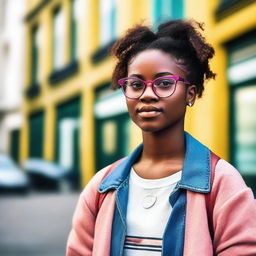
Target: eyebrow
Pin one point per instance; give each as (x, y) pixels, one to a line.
(163, 74)
(155, 76)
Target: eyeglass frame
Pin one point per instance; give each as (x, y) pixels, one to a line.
(145, 83)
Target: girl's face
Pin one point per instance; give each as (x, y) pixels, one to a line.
(149, 112)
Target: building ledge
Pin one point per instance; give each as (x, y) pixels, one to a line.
(33, 90)
(62, 74)
(34, 12)
(229, 7)
(101, 53)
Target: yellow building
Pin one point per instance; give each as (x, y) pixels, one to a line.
(72, 117)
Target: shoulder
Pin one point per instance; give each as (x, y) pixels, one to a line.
(92, 186)
(89, 196)
(228, 184)
(228, 175)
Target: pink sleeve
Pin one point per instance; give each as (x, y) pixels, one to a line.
(234, 213)
(80, 240)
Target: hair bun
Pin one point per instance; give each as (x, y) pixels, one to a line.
(174, 30)
(134, 36)
(188, 31)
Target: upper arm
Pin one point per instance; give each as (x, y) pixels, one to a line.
(234, 213)
(80, 240)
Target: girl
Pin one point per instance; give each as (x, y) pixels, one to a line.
(171, 195)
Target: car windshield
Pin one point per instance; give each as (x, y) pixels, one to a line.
(6, 162)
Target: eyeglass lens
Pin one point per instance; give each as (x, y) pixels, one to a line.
(162, 87)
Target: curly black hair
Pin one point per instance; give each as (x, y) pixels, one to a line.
(179, 38)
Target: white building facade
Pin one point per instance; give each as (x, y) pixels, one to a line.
(11, 73)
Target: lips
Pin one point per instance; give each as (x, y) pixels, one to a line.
(149, 111)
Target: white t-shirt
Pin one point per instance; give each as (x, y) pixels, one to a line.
(148, 211)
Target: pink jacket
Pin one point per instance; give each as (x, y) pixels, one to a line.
(222, 222)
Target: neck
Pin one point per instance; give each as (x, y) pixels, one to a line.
(164, 145)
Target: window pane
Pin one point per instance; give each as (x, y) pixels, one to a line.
(58, 39)
(177, 9)
(164, 10)
(245, 136)
(36, 135)
(67, 129)
(35, 56)
(107, 21)
(109, 131)
(74, 24)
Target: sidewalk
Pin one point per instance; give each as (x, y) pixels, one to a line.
(35, 225)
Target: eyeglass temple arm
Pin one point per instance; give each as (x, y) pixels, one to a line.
(183, 80)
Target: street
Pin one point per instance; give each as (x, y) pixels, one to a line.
(36, 224)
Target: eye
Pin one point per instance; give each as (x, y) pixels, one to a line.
(134, 84)
(164, 83)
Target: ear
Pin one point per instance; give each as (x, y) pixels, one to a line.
(191, 95)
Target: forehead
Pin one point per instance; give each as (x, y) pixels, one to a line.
(153, 61)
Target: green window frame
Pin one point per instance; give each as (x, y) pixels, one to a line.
(112, 124)
(15, 144)
(69, 115)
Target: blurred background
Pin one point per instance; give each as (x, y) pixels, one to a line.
(60, 122)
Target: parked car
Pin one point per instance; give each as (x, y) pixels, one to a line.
(45, 175)
(12, 178)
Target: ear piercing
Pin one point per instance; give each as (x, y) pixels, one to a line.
(190, 104)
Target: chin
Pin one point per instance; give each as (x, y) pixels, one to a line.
(150, 128)
(158, 128)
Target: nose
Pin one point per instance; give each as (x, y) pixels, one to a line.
(149, 94)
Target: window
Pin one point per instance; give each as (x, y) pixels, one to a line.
(242, 80)
(245, 135)
(58, 38)
(67, 152)
(112, 124)
(74, 24)
(35, 45)
(107, 21)
(164, 10)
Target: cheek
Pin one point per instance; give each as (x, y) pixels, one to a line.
(176, 107)
(131, 107)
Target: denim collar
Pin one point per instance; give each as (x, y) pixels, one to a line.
(195, 172)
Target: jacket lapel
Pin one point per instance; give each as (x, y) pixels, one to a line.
(119, 221)
(173, 240)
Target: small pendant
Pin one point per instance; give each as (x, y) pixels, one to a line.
(149, 201)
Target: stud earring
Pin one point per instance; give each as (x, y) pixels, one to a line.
(190, 104)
